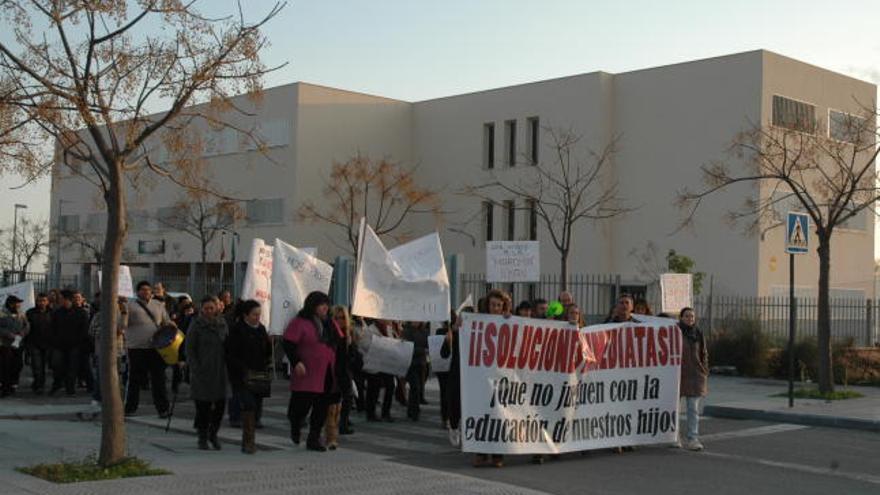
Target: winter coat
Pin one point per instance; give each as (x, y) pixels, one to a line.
(694, 362)
(70, 328)
(12, 325)
(141, 325)
(40, 335)
(247, 348)
(419, 338)
(303, 344)
(206, 358)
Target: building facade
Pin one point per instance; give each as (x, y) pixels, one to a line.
(668, 120)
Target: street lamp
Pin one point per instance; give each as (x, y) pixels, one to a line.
(15, 233)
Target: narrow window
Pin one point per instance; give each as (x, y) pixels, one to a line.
(534, 127)
(510, 141)
(490, 221)
(489, 145)
(533, 220)
(510, 209)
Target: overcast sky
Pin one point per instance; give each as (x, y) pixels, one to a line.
(414, 50)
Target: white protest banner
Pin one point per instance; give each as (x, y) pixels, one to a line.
(439, 364)
(676, 291)
(408, 283)
(295, 274)
(126, 285)
(387, 355)
(23, 291)
(532, 386)
(513, 261)
(258, 278)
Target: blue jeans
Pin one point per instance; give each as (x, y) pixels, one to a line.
(693, 417)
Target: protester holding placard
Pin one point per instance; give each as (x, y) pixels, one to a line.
(451, 350)
(340, 397)
(13, 328)
(524, 309)
(248, 358)
(377, 381)
(310, 342)
(39, 340)
(694, 374)
(497, 302)
(417, 333)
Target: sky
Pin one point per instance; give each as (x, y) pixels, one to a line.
(416, 50)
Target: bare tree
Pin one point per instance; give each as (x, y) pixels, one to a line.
(202, 215)
(85, 75)
(31, 242)
(384, 192)
(830, 176)
(568, 190)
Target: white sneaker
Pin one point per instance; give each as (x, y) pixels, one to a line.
(676, 444)
(694, 445)
(455, 437)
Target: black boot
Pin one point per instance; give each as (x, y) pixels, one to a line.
(313, 442)
(294, 434)
(212, 437)
(203, 439)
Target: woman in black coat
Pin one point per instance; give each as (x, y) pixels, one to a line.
(248, 358)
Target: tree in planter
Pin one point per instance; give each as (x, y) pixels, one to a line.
(384, 192)
(85, 75)
(568, 190)
(31, 242)
(202, 215)
(796, 165)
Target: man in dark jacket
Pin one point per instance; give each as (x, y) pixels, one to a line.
(39, 340)
(69, 329)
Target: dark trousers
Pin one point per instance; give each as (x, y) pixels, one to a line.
(374, 383)
(209, 414)
(443, 379)
(10, 366)
(144, 364)
(65, 366)
(84, 371)
(39, 361)
(360, 383)
(299, 406)
(453, 401)
(416, 389)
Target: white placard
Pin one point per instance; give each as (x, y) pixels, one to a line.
(23, 291)
(532, 386)
(408, 283)
(295, 274)
(258, 278)
(676, 292)
(439, 364)
(387, 355)
(513, 261)
(126, 285)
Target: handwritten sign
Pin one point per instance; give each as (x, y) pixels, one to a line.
(126, 285)
(513, 261)
(676, 290)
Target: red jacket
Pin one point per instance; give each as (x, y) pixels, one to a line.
(317, 357)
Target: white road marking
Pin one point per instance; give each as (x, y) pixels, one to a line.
(753, 432)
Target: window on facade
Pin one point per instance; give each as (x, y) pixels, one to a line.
(488, 219)
(68, 223)
(489, 145)
(534, 127)
(261, 211)
(510, 142)
(849, 128)
(532, 225)
(151, 247)
(510, 211)
(795, 115)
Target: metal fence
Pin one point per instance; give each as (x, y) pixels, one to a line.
(593, 293)
(42, 281)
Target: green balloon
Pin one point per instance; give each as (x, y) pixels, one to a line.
(554, 309)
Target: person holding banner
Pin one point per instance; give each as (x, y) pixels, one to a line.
(310, 343)
(377, 381)
(524, 309)
(694, 374)
(497, 302)
(206, 359)
(248, 358)
(13, 328)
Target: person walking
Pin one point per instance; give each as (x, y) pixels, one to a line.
(378, 381)
(417, 333)
(341, 399)
(13, 330)
(145, 316)
(694, 374)
(248, 359)
(69, 329)
(38, 340)
(206, 359)
(497, 302)
(310, 342)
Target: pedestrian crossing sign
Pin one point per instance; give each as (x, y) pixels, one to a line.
(797, 233)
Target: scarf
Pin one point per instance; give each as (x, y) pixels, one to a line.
(691, 333)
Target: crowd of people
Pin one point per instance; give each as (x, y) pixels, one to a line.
(227, 358)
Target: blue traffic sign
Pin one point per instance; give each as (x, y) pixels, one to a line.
(797, 233)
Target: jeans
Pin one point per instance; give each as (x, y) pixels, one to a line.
(39, 360)
(64, 369)
(693, 417)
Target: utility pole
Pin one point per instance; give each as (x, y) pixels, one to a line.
(15, 236)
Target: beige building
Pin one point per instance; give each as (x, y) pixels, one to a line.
(670, 120)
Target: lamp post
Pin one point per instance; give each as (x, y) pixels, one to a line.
(15, 233)
(57, 283)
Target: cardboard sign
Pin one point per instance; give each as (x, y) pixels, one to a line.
(513, 261)
(676, 292)
(387, 355)
(295, 274)
(439, 364)
(126, 285)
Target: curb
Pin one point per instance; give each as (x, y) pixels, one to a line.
(793, 418)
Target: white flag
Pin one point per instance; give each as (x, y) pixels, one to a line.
(23, 291)
(408, 283)
(258, 278)
(295, 274)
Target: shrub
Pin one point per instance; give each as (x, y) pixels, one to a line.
(740, 342)
(89, 470)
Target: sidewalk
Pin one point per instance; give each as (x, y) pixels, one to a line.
(750, 398)
(278, 471)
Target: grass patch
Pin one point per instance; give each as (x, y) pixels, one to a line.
(813, 393)
(89, 470)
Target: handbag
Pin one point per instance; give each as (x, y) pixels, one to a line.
(258, 383)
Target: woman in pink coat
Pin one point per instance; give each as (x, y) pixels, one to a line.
(310, 345)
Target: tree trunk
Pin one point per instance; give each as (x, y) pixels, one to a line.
(563, 271)
(823, 323)
(112, 421)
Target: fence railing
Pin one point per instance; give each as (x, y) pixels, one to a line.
(42, 281)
